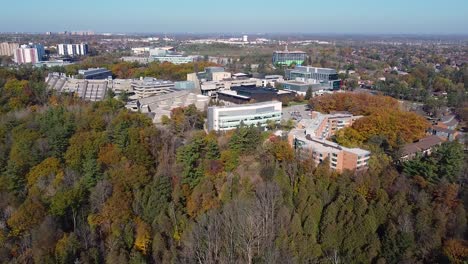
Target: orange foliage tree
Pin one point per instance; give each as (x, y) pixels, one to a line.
(355, 103)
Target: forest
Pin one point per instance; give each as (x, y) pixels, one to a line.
(94, 183)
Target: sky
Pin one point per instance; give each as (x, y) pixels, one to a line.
(238, 16)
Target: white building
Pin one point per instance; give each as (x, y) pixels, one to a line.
(222, 118)
(72, 49)
(32, 53)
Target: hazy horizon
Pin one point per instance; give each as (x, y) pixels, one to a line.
(251, 17)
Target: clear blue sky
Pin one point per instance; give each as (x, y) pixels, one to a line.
(249, 16)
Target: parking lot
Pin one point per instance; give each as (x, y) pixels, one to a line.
(296, 112)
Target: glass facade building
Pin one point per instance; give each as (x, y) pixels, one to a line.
(289, 57)
(231, 117)
(321, 75)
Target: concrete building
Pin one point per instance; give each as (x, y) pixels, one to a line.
(289, 57)
(222, 118)
(309, 139)
(313, 75)
(72, 49)
(160, 105)
(95, 73)
(89, 90)
(32, 53)
(148, 86)
(8, 49)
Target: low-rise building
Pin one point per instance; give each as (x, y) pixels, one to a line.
(444, 133)
(160, 105)
(251, 93)
(222, 118)
(309, 139)
(89, 90)
(424, 147)
(318, 149)
(326, 125)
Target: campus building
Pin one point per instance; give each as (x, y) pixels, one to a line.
(95, 73)
(318, 149)
(251, 93)
(168, 54)
(289, 57)
(315, 76)
(309, 139)
(161, 105)
(89, 90)
(222, 118)
(148, 86)
(72, 49)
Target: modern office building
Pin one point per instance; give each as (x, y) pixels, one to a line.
(309, 139)
(95, 73)
(32, 53)
(289, 57)
(8, 49)
(72, 49)
(222, 118)
(314, 75)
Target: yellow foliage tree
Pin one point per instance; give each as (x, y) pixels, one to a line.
(142, 236)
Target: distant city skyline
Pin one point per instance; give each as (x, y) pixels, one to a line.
(242, 16)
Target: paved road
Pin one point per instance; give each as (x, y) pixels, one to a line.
(296, 112)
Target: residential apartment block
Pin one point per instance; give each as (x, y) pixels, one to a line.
(318, 149)
(32, 53)
(309, 139)
(72, 49)
(8, 49)
(222, 118)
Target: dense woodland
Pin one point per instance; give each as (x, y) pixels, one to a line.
(93, 183)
